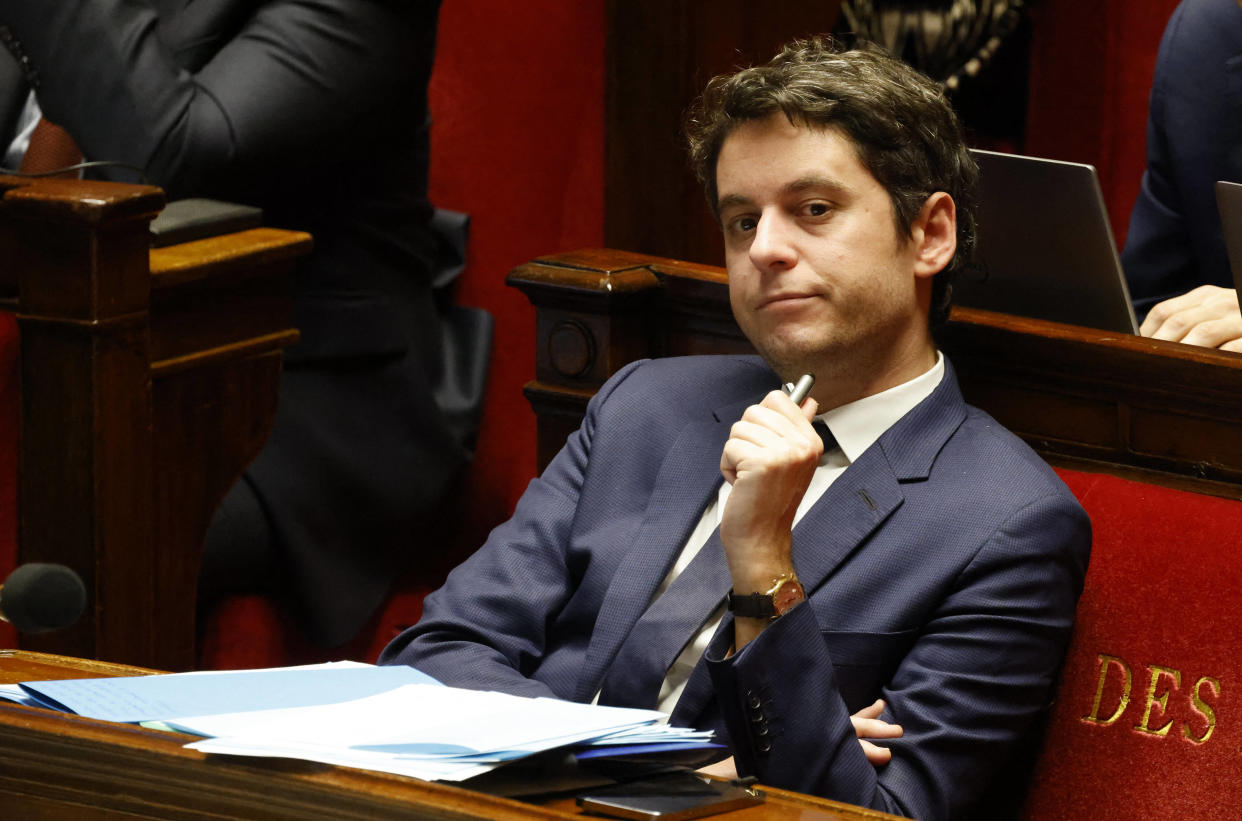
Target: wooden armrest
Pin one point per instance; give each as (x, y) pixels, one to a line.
(149, 382)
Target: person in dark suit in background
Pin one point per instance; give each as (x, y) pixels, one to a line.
(699, 547)
(316, 112)
(1174, 257)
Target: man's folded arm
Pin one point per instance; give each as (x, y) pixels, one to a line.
(976, 679)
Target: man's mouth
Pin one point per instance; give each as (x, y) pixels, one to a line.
(785, 298)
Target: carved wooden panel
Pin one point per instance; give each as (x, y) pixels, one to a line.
(149, 382)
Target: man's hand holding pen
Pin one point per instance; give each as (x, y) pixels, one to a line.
(769, 460)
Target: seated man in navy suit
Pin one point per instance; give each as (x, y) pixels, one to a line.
(698, 547)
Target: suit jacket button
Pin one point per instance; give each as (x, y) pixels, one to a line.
(764, 747)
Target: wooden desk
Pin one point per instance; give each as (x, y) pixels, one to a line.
(55, 766)
(149, 381)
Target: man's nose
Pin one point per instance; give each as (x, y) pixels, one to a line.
(772, 248)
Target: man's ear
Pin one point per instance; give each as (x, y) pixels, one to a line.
(935, 235)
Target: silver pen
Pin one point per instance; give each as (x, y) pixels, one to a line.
(799, 391)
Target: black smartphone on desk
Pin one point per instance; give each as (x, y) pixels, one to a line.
(671, 797)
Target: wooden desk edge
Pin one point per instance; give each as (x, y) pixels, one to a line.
(155, 756)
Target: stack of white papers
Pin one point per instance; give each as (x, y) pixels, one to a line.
(391, 719)
(425, 731)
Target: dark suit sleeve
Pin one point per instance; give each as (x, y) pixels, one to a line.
(486, 628)
(221, 89)
(976, 677)
(1194, 130)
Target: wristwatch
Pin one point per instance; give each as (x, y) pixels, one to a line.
(785, 592)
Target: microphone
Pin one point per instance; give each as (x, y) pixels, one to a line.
(37, 597)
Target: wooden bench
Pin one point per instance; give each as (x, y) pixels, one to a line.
(1148, 435)
(148, 381)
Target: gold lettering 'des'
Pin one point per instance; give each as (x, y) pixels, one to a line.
(1163, 683)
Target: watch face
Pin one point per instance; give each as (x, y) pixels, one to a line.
(787, 596)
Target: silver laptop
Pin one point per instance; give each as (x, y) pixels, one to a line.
(1046, 248)
(1229, 202)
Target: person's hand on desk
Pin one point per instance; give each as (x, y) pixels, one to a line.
(1208, 316)
(867, 724)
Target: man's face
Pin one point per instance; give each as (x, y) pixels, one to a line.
(819, 279)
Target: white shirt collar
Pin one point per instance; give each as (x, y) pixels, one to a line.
(858, 424)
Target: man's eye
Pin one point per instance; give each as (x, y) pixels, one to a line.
(743, 224)
(817, 209)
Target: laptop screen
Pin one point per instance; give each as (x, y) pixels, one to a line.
(1045, 248)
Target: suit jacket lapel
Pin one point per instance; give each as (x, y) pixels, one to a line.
(688, 476)
(853, 506)
(870, 489)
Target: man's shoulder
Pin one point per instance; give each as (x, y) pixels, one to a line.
(960, 447)
(1199, 35)
(992, 491)
(1195, 21)
(997, 458)
(691, 381)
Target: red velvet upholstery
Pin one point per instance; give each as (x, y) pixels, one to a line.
(1161, 607)
(1090, 77)
(251, 631)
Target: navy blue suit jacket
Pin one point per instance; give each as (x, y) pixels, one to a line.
(942, 568)
(1194, 138)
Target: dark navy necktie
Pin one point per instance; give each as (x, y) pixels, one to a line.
(825, 435)
(662, 632)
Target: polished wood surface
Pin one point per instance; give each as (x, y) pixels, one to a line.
(1159, 411)
(149, 382)
(58, 766)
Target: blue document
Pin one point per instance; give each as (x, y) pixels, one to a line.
(160, 698)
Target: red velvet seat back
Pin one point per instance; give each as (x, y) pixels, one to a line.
(1148, 720)
(253, 631)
